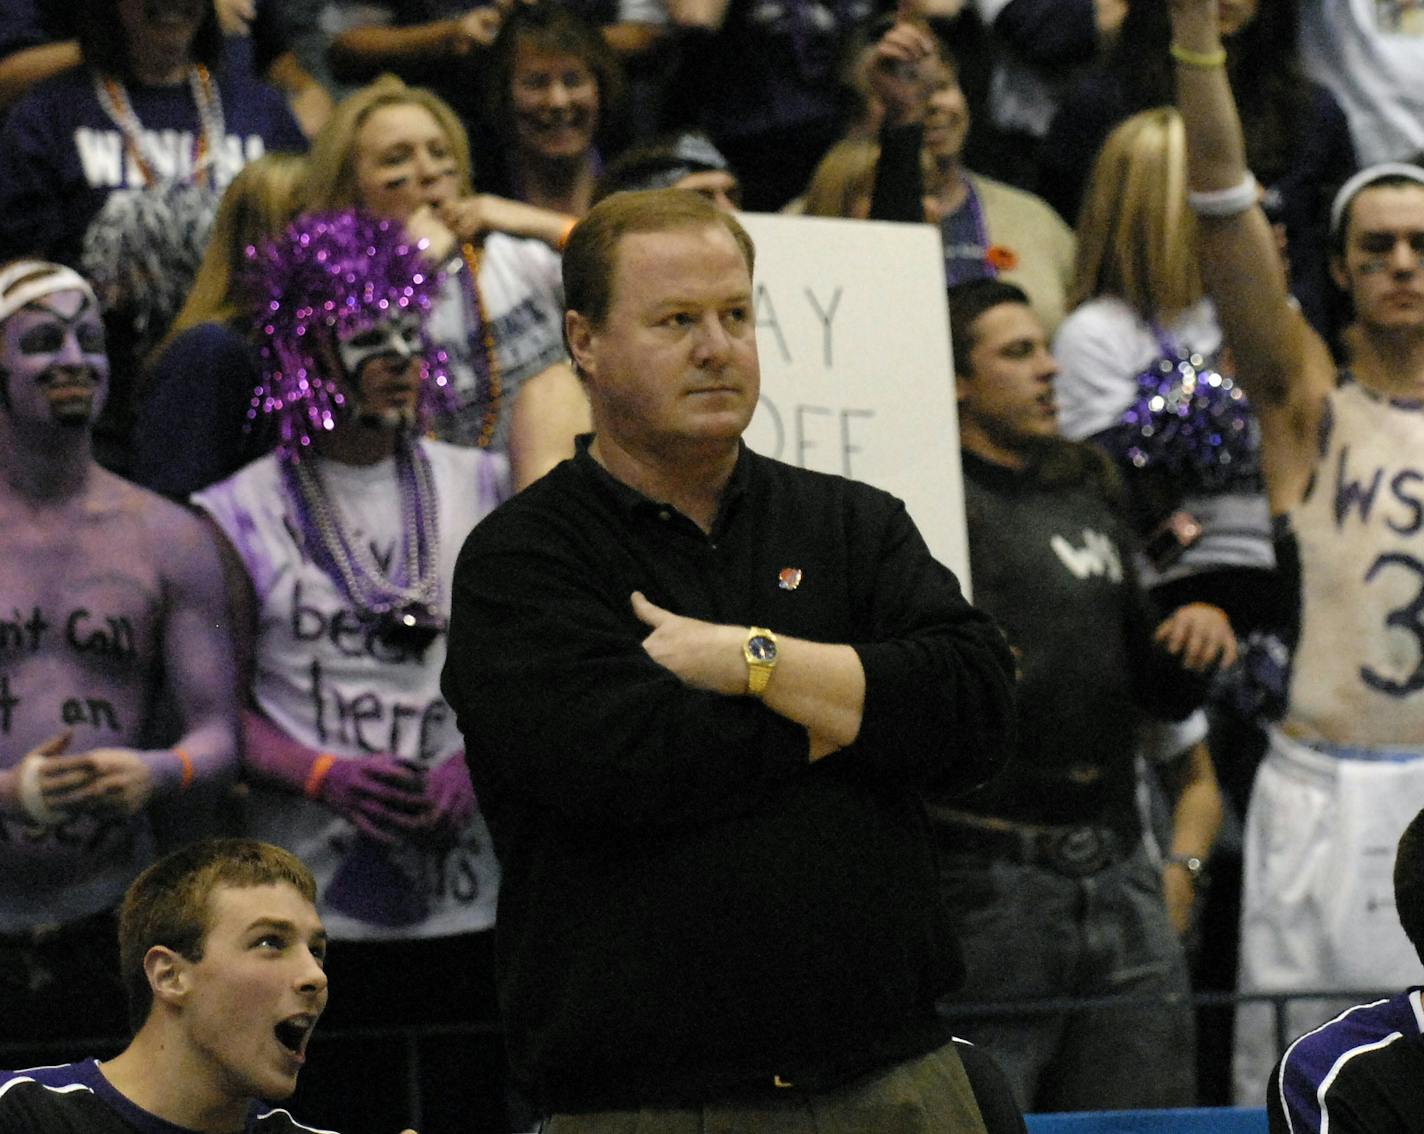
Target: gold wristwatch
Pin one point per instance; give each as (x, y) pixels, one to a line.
(760, 651)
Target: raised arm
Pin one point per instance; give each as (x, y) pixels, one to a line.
(901, 75)
(360, 52)
(1053, 31)
(1281, 363)
(30, 65)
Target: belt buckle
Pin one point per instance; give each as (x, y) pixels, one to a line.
(1079, 851)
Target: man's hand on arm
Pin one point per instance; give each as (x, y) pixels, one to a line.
(818, 685)
(1284, 366)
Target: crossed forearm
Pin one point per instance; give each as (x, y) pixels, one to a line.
(819, 685)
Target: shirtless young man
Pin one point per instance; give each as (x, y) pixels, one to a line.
(1345, 772)
(109, 597)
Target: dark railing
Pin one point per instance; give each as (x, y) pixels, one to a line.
(409, 1037)
(1279, 1002)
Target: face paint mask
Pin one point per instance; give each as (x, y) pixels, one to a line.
(56, 370)
(392, 341)
(398, 339)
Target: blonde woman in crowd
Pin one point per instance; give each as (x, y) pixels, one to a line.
(843, 181)
(1141, 334)
(400, 152)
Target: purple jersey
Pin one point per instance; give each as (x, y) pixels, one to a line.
(75, 1098)
(1357, 1072)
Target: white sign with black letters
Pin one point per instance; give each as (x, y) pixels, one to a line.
(857, 376)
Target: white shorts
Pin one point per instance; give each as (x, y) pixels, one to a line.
(1317, 900)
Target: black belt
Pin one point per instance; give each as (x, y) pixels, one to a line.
(1074, 850)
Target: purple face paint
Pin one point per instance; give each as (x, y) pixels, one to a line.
(53, 359)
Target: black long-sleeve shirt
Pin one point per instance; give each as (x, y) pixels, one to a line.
(1053, 562)
(689, 908)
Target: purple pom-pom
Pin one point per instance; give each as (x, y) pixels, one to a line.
(1193, 422)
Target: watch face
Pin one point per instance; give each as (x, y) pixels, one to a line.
(761, 648)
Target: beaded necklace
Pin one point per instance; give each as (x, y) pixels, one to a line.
(402, 604)
(486, 362)
(114, 99)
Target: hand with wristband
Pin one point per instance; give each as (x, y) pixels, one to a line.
(52, 783)
(382, 795)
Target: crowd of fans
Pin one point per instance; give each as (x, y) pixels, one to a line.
(162, 148)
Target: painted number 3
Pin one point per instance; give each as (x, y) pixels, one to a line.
(1408, 618)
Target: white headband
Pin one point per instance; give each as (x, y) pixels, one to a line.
(1366, 178)
(49, 278)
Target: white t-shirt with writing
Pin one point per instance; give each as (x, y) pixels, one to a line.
(328, 679)
(521, 292)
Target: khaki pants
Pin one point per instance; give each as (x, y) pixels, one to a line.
(928, 1095)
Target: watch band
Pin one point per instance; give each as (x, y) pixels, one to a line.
(759, 650)
(1192, 864)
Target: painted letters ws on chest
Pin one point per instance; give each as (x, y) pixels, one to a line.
(1393, 497)
(1095, 556)
(1387, 498)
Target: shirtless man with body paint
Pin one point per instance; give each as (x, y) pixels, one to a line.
(111, 603)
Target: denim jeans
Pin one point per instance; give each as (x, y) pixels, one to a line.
(1029, 932)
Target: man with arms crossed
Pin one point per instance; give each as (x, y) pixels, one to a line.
(1341, 454)
(108, 593)
(701, 693)
(223, 956)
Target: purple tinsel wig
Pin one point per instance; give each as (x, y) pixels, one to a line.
(328, 276)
